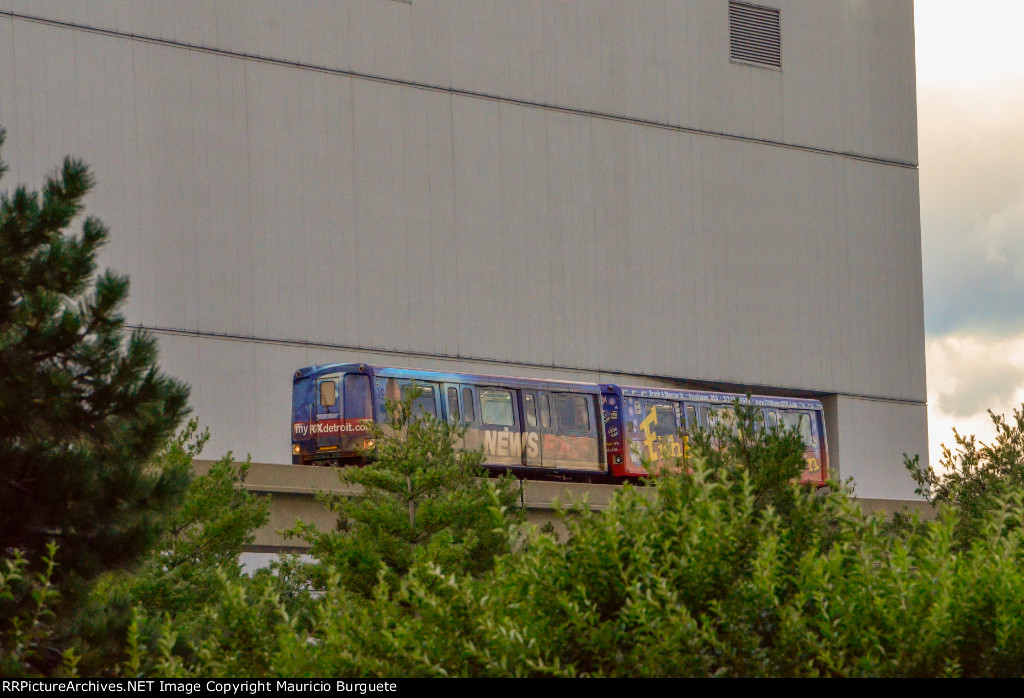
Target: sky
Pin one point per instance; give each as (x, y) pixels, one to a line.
(970, 114)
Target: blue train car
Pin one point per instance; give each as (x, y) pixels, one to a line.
(543, 427)
(534, 427)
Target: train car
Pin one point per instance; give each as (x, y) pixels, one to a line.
(536, 428)
(652, 426)
(530, 426)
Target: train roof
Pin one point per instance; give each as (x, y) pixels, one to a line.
(573, 386)
(720, 397)
(446, 377)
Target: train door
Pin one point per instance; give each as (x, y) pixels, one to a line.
(452, 403)
(547, 429)
(500, 426)
(822, 451)
(660, 432)
(460, 411)
(689, 422)
(807, 425)
(689, 418)
(327, 413)
(574, 439)
(469, 411)
(533, 454)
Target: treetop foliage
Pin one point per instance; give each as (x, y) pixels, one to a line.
(423, 498)
(196, 555)
(725, 566)
(83, 408)
(715, 570)
(975, 478)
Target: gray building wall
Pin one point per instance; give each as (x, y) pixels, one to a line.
(565, 189)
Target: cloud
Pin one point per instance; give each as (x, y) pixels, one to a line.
(969, 374)
(972, 208)
(978, 373)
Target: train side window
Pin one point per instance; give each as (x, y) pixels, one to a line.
(727, 415)
(467, 405)
(357, 396)
(573, 413)
(802, 422)
(424, 404)
(453, 404)
(328, 393)
(691, 418)
(664, 416)
(496, 408)
(530, 405)
(545, 411)
(811, 435)
(668, 423)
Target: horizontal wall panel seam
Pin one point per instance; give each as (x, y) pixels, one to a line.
(453, 91)
(224, 336)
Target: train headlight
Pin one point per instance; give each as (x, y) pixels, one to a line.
(295, 449)
(367, 444)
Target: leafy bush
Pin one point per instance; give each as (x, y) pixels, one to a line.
(711, 573)
(184, 574)
(975, 478)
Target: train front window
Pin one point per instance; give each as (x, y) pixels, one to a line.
(357, 396)
(496, 408)
(328, 393)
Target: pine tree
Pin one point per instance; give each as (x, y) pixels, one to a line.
(83, 407)
(423, 501)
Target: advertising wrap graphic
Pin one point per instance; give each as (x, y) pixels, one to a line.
(330, 427)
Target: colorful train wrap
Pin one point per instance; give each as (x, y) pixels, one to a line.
(534, 427)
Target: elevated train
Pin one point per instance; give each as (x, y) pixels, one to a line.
(537, 428)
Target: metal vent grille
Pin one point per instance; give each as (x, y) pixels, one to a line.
(755, 35)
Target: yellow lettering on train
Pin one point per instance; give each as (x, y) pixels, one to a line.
(649, 436)
(812, 465)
